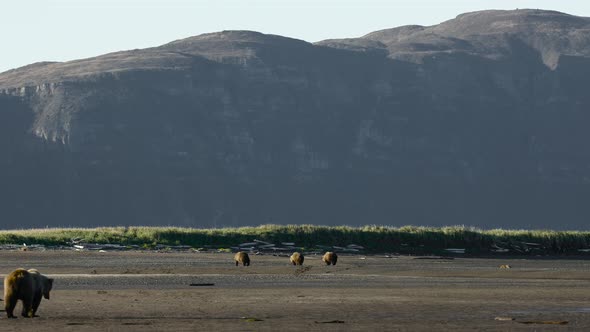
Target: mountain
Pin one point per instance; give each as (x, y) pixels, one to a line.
(481, 120)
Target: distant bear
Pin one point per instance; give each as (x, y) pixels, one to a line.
(505, 266)
(297, 258)
(242, 257)
(29, 287)
(330, 258)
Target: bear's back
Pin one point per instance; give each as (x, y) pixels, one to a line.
(16, 277)
(18, 283)
(242, 257)
(297, 258)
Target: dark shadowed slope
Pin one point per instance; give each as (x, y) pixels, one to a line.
(481, 120)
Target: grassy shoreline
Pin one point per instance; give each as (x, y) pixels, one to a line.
(406, 239)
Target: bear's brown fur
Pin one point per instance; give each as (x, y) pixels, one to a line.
(330, 258)
(297, 259)
(29, 287)
(242, 257)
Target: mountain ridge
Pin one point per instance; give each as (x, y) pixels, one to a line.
(443, 37)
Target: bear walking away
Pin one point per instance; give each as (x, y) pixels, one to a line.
(29, 287)
(242, 257)
(297, 258)
(330, 258)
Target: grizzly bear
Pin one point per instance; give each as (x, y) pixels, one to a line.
(330, 258)
(296, 258)
(242, 257)
(29, 287)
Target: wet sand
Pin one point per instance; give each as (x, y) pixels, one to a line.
(150, 291)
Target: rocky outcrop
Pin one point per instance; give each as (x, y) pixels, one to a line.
(481, 120)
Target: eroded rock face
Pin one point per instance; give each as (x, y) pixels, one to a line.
(481, 120)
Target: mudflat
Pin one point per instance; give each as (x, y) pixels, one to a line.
(195, 291)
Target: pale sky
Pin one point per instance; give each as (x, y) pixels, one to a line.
(61, 30)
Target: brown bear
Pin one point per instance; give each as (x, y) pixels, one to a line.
(29, 287)
(330, 258)
(242, 257)
(296, 258)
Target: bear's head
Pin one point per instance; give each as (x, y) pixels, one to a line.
(47, 285)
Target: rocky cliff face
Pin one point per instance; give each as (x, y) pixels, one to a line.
(481, 120)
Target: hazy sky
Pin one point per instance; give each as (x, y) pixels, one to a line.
(61, 30)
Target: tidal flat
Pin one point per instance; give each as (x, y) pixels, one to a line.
(189, 291)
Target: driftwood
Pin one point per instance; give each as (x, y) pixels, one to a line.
(96, 246)
(548, 322)
(435, 257)
(249, 244)
(256, 246)
(520, 247)
(455, 250)
(355, 246)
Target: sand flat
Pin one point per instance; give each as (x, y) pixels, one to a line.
(150, 291)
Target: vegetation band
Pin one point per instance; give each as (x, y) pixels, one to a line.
(406, 239)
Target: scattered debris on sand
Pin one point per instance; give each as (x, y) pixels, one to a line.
(435, 257)
(260, 247)
(547, 322)
(256, 247)
(252, 319)
(202, 284)
(302, 270)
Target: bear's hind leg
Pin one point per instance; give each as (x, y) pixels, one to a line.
(9, 304)
(36, 302)
(27, 307)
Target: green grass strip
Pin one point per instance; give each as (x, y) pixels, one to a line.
(373, 238)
